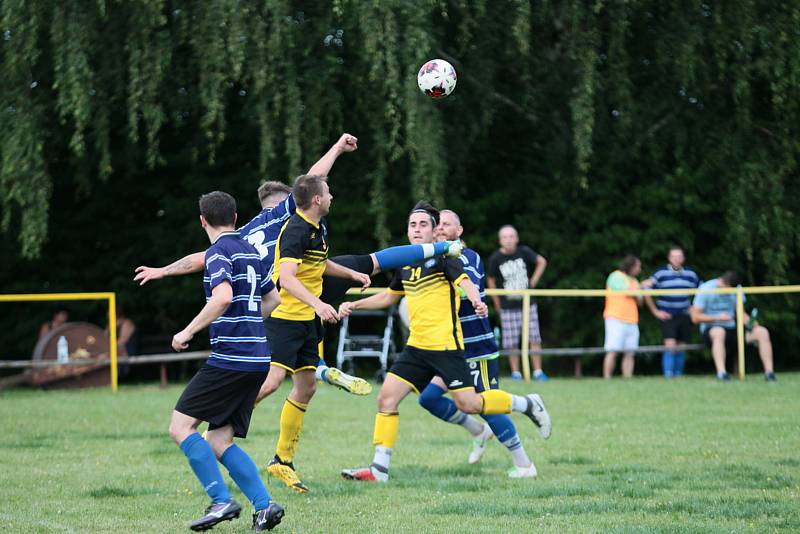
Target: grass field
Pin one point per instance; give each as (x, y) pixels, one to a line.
(645, 455)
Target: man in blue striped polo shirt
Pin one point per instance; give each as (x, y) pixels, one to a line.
(224, 390)
(481, 353)
(673, 310)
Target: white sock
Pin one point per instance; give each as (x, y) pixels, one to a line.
(472, 425)
(428, 250)
(321, 369)
(538, 372)
(382, 458)
(518, 454)
(519, 404)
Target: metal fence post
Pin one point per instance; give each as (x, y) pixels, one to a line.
(740, 329)
(526, 320)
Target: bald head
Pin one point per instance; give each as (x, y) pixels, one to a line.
(508, 238)
(449, 227)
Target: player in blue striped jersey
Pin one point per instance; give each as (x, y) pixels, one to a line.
(239, 293)
(262, 232)
(480, 350)
(673, 310)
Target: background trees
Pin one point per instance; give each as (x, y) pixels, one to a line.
(596, 128)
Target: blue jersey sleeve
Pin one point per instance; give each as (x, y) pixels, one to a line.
(287, 207)
(219, 268)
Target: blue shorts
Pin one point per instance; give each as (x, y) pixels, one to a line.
(485, 374)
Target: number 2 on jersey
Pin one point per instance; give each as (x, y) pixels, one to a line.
(252, 279)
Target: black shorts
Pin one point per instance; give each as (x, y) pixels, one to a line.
(485, 374)
(294, 344)
(334, 288)
(677, 327)
(222, 397)
(416, 367)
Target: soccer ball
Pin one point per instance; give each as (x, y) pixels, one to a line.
(437, 78)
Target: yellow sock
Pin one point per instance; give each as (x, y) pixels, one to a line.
(496, 401)
(387, 425)
(291, 424)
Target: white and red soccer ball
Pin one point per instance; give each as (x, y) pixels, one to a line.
(437, 78)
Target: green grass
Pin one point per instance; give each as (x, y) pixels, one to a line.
(644, 455)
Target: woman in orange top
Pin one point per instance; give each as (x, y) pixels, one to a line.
(621, 317)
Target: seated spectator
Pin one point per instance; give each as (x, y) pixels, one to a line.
(621, 316)
(59, 317)
(716, 315)
(127, 340)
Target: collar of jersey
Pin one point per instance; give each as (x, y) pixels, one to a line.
(224, 234)
(309, 221)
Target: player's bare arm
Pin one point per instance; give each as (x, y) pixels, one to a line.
(346, 143)
(221, 298)
(269, 302)
(340, 271)
(378, 301)
(289, 282)
(474, 296)
(193, 263)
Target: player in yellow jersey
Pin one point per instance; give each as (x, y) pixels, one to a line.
(435, 346)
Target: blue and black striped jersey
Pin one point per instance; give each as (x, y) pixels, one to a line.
(669, 278)
(238, 338)
(479, 342)
(262, 231)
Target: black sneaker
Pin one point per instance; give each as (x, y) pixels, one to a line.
(217, 513)
(770, 377)
(268, 518)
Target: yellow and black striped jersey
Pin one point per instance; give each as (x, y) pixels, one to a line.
(303, 242)
(431, 290)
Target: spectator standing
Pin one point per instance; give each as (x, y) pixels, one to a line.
(621, 317)
(516, 267)
(716, 315)
(673, 310)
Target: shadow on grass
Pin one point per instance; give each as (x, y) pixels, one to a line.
(35, 442)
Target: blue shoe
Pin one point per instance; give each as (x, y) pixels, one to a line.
(516, 375)
(723, 376)
(770, 377)
(541, 377)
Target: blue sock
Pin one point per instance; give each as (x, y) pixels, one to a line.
(394, 257)
(205, 467)
(680, 359)
(668, 363)
(501, 425)
(245, 473)
(322, 371)
(432, 399)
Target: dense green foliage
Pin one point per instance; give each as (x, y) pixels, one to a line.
(647, 455)
(598, 128)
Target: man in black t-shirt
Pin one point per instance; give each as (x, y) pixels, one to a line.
(515, 267)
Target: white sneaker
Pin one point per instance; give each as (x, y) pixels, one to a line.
(538, 414)
(522, 472)
(479, 445)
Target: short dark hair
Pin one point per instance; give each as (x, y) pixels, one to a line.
(731, 278)
(218, 209)
(627, 263)
(306, 187)
(425, 206)
(270, 188)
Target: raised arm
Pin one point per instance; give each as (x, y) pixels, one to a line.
(221, 298)
(346, 143)
(192, 263)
